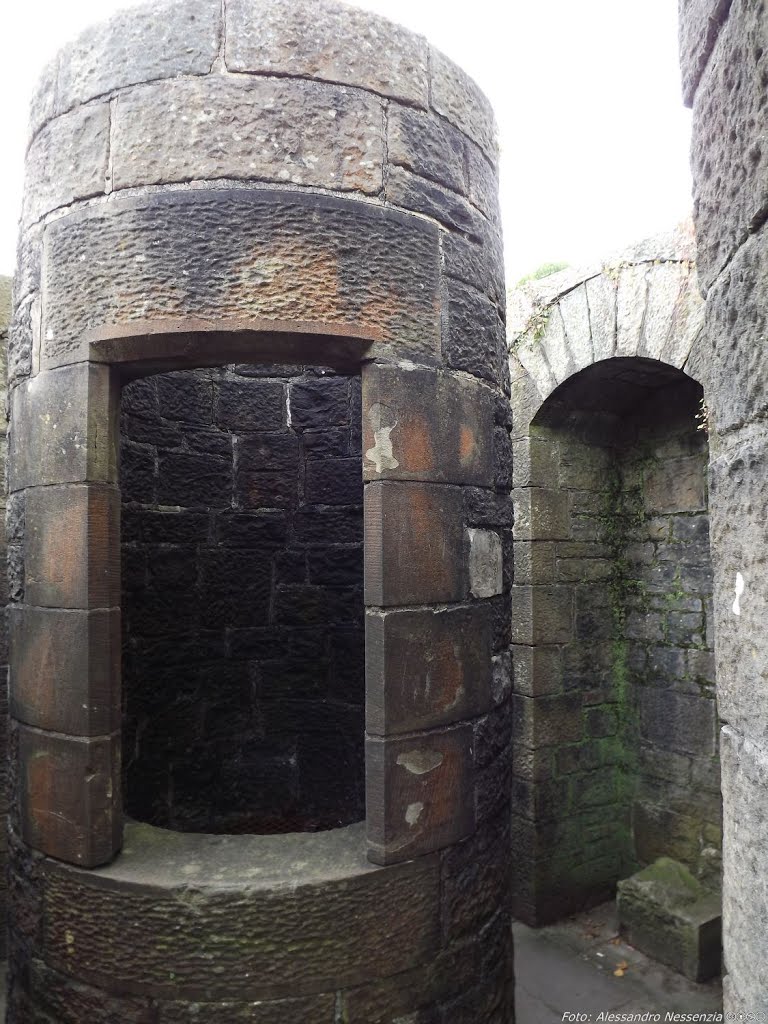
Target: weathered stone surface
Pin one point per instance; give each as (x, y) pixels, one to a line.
(541, 513)
(319, 1009)
(739, 546)
(665, 283)
(426, 669)
(72, 547)
(574, 309)
(173, 38)
(329, 41)
(67, 1001)
(601, 296)
(66, 670)
(542, 615)
(412, 192)
(427, 146)
(457, 97)
(486, 563)
(420, 424)
(67, 795)
(68, 160)
(700, 22)
(282, 130)
(425, 564)
(537, 670)
(64, 428)
(418, 793)
(631, 303)
(290, 260)
(745, 851)
(475, 335)
(259, 925)
(736, 310)
(728, 154)
(484, 186)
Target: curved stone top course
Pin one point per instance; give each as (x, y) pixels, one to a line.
(295, 93)
(643, 302)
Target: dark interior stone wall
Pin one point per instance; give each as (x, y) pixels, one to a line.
(676, 809)
(243, 664)
(616, 718)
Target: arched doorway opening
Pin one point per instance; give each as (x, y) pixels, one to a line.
(616, 723)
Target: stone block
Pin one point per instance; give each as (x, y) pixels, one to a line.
(486, 563)
(418, 793)
(542, 615)
(676, 485)
(319, 403)
(678, 721)
(427, 146)
(68, 796)
(535, 461)
(537, 670)
(485, 508)
(541, 514)
(328, 41)
(64, 428)
(484, 185)
(457, 97)
(72, 555)
(412, 192)
(414, 544)
(246, 405)
(735, 304)
(534, 562)
(333, 482)
(68, 160)
(318, 1009)
(667, 914)
(475, 340)
(548, 721)
(420, 424)
(315, 263)
(65, 672)
(426, 669)
(125, 50)
(327, 135)
(727, 143)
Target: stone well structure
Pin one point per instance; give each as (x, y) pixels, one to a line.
(616, 727)
(270, 229)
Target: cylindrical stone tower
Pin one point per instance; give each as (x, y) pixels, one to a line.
(263, 187)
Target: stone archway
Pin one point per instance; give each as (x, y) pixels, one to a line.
(616, 725)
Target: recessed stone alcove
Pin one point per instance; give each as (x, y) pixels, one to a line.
(244, 648)
(616, 719)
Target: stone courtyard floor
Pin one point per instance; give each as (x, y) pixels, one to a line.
(569, 967)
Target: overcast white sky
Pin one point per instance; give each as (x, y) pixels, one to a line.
(594, 136)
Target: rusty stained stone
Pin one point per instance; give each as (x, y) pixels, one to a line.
(65, 673)
(72, 556)
(281, 130)
(427, 668)
(289, 258)
(64, 428)
(419, 793)
(414, 543)
(68, 795)
(420, 424)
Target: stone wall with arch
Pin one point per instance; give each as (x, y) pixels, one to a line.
(615, 758)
